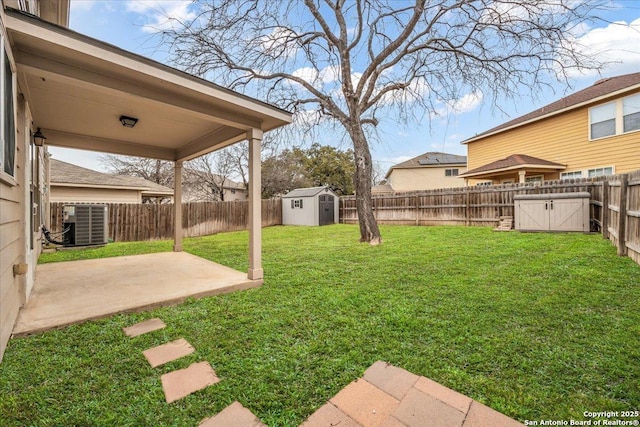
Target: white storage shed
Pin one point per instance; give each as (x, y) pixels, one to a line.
(310, 206)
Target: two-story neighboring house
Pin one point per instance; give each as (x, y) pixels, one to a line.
(427, 171)
(593, 132)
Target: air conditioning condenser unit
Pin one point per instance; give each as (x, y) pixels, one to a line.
(85, 225)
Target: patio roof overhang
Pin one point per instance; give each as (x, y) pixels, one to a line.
(78, 87)
(515, 163)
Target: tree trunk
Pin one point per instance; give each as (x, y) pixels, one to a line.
(369, 231)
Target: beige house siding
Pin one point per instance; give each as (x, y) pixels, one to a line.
(424, 178)
(11, 244)
(94, 195)
(232, 196)
(563, 138)
(20, 235)
(11, 233)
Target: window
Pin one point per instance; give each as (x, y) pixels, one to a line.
(485, 183)
(534, 178)
(571, 175)
(296, 204)
(615, 118)
(600, 171)
(451, 172)
(8, 125)
(631, 113)
(603, 120)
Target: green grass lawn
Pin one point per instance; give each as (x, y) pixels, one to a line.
(538, 326)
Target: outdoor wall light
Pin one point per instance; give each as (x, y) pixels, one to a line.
(39, 138)
(128, 122)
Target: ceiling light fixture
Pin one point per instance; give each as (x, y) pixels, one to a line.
(128, 122)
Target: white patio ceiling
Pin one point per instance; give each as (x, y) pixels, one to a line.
(78, 87)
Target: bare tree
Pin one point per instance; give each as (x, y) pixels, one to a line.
(377, 173)
(356, 62)
(210, 175)
(158, 171)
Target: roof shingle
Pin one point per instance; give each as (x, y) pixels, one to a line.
(67, 173)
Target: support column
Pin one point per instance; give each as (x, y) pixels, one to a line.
(255, 206)
(521, 175)
(177, 207)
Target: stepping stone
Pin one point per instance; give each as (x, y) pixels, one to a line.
(365, 403)
(329, 415)
(167, 352)
(183, 382)
(234, 415)
(144, 327)
(391, 380)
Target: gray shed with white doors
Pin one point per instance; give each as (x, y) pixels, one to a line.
(310, 206)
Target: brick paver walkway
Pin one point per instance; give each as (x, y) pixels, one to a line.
(386, 396)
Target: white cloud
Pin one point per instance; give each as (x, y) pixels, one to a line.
(161, 14)
(616, 43)
(400, 159)
(500, 12)
(330, 74)
(308, 74)
(467, 103)
(279, 42)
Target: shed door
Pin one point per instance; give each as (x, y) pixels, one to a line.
(326, 209)
(532, 215)
(568, 215)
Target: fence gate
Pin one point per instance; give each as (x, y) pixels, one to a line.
(326, 209)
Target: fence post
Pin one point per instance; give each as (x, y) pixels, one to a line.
(467, 214)
(604, 216)
(416, 200)
(622, 223)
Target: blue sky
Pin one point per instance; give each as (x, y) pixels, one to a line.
(128, 25)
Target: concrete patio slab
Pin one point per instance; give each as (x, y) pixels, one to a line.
(183, 382)
(234, 415)
(72, 292)
(165, 353)
(144, 327)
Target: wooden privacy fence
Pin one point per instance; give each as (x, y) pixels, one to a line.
(620, 206)
(474, 205)
(137, 222)
(614, 206)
